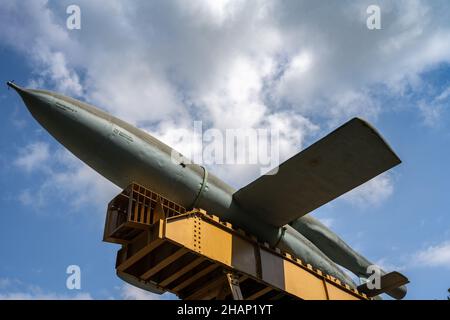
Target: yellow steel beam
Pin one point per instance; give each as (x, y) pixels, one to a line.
(260, 293)
(140, 254)
(182, 271)
(164, 263)
(197, 276)
(212, 285)
(236, 250)
(237, 253)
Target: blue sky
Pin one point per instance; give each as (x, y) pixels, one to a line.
(298, 66)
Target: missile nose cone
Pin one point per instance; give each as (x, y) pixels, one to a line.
(11, 84)
(37, 103)
(21, 91)
(25, 94)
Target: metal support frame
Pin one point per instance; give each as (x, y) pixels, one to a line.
(233, 283)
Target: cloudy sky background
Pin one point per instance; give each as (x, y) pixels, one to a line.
(302, 67)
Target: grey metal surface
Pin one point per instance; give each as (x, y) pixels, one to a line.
(338, 250)
(332, 245)
(346, 158)
(293, 241)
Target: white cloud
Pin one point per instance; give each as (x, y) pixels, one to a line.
(54, 69)
(65, 177)
(162, 65)
(386, 265)
(33, 156)
(328, 222)
(26, 198)
(433, 256)
(81, 184)
(431, 111)
(14, 289)
(43, 296)
(444, 95)
(180, 56)
(129, 292)
(30, 27)
(371, 193)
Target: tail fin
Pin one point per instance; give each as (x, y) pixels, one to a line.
(392, 283)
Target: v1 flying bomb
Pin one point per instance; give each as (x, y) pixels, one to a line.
(344, 159)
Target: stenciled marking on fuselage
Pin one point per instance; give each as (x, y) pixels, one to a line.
(64, 107)
(123, 134)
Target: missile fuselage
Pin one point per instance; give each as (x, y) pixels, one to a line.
(123, 153)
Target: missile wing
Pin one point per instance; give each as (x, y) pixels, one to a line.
(344, 159)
